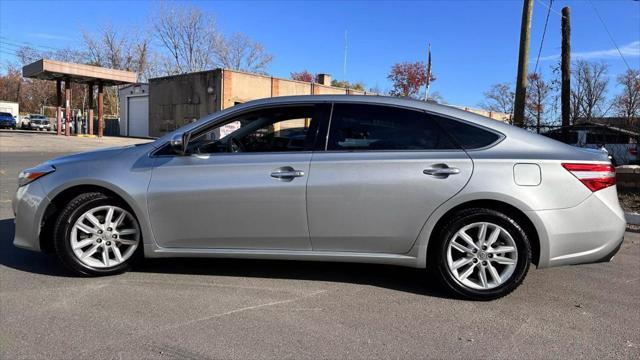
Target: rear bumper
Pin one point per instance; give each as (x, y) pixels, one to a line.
(608, 257)
(587, 233)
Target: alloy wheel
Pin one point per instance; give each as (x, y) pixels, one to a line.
(482, 255)
(105, 236)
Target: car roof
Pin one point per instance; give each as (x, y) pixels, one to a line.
(363, 99)
(519, 141)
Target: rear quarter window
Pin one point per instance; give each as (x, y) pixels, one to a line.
(469, 137)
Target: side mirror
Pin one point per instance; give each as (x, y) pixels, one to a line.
(178, 144)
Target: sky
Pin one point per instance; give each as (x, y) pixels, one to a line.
(474, 43)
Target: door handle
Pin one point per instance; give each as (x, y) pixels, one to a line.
(442, 170)
(288, 174)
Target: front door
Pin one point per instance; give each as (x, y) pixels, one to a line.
(243, 186)
(384, 172)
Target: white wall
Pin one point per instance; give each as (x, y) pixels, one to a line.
(10, 107)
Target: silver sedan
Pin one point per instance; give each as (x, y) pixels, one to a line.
(332, 178)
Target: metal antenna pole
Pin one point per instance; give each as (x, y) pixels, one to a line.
(344, 67)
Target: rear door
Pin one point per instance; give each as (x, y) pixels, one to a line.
(386, 169)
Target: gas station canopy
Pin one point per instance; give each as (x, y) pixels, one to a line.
(45, 69)
(59, 71)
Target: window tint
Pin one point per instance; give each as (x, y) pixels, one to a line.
(269, 130)
(372, 127)
(468, 136)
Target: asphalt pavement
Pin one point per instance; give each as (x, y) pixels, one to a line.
(246, 309)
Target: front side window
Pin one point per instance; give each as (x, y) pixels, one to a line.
(283, 129)
(373, 127)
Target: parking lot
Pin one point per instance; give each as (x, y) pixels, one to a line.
(210, 308)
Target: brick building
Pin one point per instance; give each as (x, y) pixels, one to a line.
(180, 99)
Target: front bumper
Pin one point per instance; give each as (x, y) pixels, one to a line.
(7, 124)
(29, 205)
(587, 233)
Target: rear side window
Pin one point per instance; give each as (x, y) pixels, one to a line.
(468, 136)
(373, 127)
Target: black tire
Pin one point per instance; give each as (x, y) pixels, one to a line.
(62, 232)
(438, 253)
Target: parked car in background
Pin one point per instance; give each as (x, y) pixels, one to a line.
(7, 120)
(332, 178)
(36, 122)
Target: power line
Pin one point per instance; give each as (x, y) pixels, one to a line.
(609, 33)
(544, 32)
(8, 41)
(550, 8)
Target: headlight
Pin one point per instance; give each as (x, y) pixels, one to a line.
(29, 175)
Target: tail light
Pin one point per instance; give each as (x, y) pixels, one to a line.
(594, 176)
(633, 150)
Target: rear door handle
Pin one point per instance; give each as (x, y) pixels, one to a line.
(442, 170)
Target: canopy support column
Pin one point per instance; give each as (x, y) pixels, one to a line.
(67, 96)
(90, 115)
(59, 107)
(100, 109)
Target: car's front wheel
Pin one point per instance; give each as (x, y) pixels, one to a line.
(483, 254)
(96, 234)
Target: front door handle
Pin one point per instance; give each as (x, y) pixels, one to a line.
(441, 170)
(286, 173)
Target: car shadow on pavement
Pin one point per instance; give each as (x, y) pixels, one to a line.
(416, 281)
(24, 260)
(385, 276)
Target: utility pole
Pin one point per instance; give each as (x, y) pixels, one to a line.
(426, 93)
(565, 68)
(523, 59)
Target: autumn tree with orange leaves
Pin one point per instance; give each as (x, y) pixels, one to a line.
(408, 78)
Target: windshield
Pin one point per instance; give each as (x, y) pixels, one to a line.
(5, 114)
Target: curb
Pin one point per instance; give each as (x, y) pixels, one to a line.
(632, 218)
(20, 131)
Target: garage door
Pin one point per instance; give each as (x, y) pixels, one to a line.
(138, 116)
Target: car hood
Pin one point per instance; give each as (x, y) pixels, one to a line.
(94, 155)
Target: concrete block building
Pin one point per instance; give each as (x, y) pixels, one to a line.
(180, 99)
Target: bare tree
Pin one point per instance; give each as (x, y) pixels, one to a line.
(188, 36)
(538, 92)
(499, 98)
(123, 51)
(627, 103)
(10, 84)
(239, 52)
(588, 94)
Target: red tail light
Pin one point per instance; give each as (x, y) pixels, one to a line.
(594, 176)
(633, 150)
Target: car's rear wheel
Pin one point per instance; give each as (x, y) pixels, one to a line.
(483, 254)
(97, 235)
